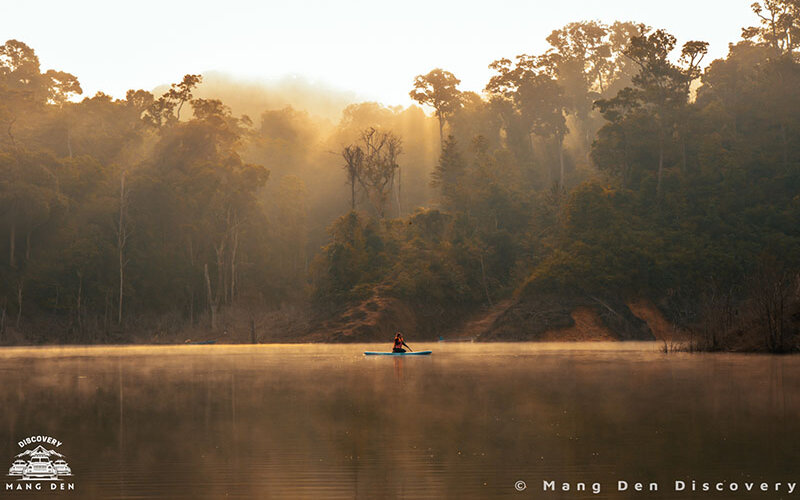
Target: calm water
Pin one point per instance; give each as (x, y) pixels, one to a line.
(313, 421)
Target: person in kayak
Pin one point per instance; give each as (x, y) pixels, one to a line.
(399, 343)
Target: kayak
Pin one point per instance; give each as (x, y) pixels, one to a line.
(414, 353)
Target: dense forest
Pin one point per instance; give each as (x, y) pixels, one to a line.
(618, 164)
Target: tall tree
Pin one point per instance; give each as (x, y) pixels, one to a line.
(353, 166)
(536, 96)
(438, 89)
(660, 88)
(123, 233)
(580, 60)
(167, 108)
(779, 25)
(378, 166)
(448, 175)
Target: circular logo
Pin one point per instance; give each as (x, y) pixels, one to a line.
(520, 486)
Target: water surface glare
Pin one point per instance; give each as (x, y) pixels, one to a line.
(324, 421)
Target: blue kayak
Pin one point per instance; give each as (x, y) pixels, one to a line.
(415, 353)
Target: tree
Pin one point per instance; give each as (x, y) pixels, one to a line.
(536, 96)
(621, 71)
(660, 89)
(167, 108)
(580, 60)
(448, 175)
(123, 233)
(29, 197)
(373, 163)
(197, 208)
(353, 165)
(288, 213)
(779, 25)
(438, 89)
(61, 87)
(25, 90)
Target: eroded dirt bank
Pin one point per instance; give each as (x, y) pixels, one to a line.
(538, 318)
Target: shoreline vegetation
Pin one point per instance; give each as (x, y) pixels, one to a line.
(613, 187)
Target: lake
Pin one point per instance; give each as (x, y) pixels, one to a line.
(470, 421)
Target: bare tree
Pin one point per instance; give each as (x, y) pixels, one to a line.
(373, 164)
(353, 164)
(381, 150)
(213, 301)
(772, 286)
(20, 287)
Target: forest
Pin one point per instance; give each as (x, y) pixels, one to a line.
(619, 164)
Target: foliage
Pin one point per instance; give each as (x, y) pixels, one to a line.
(438, 89)
(611, 164)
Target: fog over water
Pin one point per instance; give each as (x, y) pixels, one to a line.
(313, 421)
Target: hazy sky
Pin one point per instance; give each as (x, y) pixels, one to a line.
(374, 48)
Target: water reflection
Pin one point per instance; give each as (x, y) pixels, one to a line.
(316, 421)
(398, 369)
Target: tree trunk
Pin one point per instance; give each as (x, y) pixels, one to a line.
(485, 283)
(587, 143)
(78, 302)
(107, 312)
(11, 134)
(122, 238)
(19, 302)
(441, 130)
(212, 304)
(221, 282)
(234, 248)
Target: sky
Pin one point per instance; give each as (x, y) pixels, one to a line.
(371, 48)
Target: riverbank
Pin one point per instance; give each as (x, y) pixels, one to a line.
(527, 318)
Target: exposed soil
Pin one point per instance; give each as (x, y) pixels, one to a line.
(478, 323)
(531, 318)
(588, 327)
(540, 317)
(659, 325)
(373, 319)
